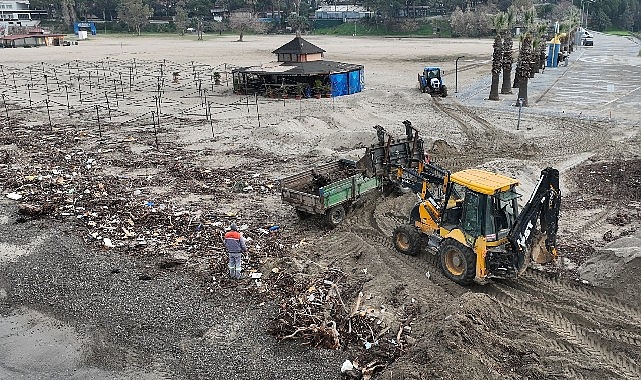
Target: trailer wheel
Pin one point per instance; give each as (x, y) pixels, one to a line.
(458, 262)
(335, 215)
(407, 240)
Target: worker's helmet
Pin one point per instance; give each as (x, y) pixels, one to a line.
(233, 227)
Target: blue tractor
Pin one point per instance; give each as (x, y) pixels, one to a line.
(430, 81)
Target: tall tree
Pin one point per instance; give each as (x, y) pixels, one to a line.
(134, 13)
(245, 22)
(181, 20)
(508, 60)
(523, 69)
(542, 45)
(497, 55)
(298, 23)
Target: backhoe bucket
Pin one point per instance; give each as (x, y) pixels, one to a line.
(539, 252)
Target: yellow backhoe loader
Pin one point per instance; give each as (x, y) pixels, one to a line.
(470, 218)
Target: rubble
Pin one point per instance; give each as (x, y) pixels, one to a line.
(315, 309)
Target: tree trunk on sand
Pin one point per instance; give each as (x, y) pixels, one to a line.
(506, 88)
(494, 89)
(522, 92)
(497, 63)
(240, 39)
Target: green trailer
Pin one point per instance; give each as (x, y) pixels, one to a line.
(329, 189)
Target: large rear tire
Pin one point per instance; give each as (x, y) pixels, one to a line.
(458, 262)
(407, 240)
(335, 215)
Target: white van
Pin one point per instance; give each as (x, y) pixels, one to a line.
(584, 33)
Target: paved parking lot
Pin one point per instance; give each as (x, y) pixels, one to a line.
(599, 81)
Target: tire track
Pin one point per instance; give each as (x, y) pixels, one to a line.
(424, 263)
(595, 345)
(574, 291)
(584, 308)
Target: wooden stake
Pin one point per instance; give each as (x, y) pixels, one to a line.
(49, 114)
(79, 90)
(6, 110)
(67, 93)
(108, 108)
(155, 130)
(99, 126)
(257, 111)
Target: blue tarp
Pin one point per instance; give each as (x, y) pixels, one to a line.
(339, 84)
(354, 81)
(346, 83)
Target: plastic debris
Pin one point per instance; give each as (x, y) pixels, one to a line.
(347, 366)
(14, 196)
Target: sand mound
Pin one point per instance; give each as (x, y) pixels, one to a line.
(612, 264)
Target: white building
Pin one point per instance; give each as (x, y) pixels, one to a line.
(342, 12)
(16, 14)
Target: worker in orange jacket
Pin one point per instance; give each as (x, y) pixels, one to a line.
(235, 245)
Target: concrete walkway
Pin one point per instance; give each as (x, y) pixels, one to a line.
(600, 82)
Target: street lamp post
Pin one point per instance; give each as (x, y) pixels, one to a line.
(520, 104)
(456, 74)
(587, 13)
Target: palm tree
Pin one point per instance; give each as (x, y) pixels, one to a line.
(497, 55)
(523, 68)
(497, 64)
(573, 19)
(506, 88)
(528, 22)
(541, 33)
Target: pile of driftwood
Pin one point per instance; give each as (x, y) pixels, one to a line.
(317, 312)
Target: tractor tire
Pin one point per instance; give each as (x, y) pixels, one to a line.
(335, 215)
(407, 240)
(444, 92)
(457, 261)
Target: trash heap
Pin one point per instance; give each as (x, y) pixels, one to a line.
(316, 311)
(101, 190)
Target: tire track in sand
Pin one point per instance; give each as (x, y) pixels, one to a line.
(570, 324)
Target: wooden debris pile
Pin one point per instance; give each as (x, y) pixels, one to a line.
(317, 312)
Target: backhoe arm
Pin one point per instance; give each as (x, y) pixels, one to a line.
(543, 206)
